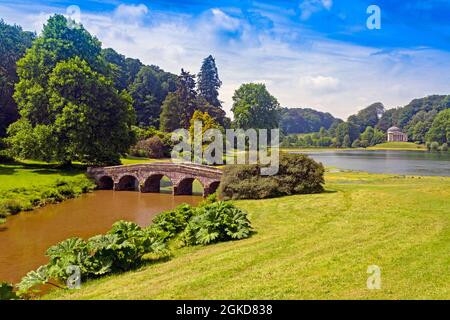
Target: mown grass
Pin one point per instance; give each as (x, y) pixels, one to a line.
(313, 247)
(409, 146)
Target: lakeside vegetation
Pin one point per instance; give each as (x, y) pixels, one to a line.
(312, 247)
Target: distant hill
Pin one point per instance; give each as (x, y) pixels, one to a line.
(305, 120)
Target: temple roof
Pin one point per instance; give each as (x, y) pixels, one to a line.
(394, 129)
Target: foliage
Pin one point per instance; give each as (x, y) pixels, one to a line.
(367, 117)
(298, 174)
(298, 120)
(209, 82)
(14, 42)
(90, 122)
(151, 143)
(220, 221)
(254, 107)
(121, 249)
(70, 110)
(440, 128)
(207, 123)
(149, 89)
(172, 222)
(7, 292)
(179, 106)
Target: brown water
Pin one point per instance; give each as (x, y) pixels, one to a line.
(25, 237)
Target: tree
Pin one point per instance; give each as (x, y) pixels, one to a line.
(209, 82)
(149, 90)
(440, 129)
(179, 106)
(254, 107)
(90, 120)
(346, 142)
(368, 116)
(346, 129)
(65, 95)
(298, 120)
(13, 44)
(207, 122)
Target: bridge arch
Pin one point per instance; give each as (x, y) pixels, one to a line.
(154, 182)
(128, 182)
(105, 183)
(211, 188)
(185, 186)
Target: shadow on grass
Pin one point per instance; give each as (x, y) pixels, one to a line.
(42, 168)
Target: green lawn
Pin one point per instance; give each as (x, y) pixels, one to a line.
(398, 146)
(33, 174)
(313, 247)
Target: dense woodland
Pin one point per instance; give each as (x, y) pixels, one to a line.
(65, 98)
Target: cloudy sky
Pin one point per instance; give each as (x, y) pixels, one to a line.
(309, 53)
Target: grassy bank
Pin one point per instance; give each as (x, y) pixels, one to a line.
(401, 146)
(28, 185)
(313, 247)
(406, 146)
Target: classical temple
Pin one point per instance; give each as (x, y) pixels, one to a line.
(394, 134)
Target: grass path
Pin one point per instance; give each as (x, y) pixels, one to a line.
(313, 247)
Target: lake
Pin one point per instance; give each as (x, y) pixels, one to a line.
(420, 163)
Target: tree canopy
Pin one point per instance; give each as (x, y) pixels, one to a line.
(254, 107)
(67, 100)
(14, 41)
(209, 82)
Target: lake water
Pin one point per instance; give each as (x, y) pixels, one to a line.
(25, 237)
(396, 162)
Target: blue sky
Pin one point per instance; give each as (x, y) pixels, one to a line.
(310, 53)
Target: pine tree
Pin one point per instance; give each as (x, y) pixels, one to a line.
(209, 82)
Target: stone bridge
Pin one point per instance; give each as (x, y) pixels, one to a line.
(147, 177)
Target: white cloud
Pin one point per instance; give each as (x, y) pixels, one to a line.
(309, 7)
(320, 84)
(130, 12)
(224, 21)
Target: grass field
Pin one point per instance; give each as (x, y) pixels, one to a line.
(409, 146)
(313, 247)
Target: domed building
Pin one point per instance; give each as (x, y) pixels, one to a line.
(394, 134)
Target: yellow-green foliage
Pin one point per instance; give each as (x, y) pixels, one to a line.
(313, 247)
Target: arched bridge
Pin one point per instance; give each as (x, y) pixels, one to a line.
(147, 177)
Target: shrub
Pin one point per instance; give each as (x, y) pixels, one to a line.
(11, 206)
(156, 147)
(297, 174)
(220, 221)
(444, 147)
(66, 191)
(51, 196)
(7, 292)
(434, 146)
(172, 222)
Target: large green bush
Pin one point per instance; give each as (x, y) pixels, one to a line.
(297, 174)
(220, 221)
